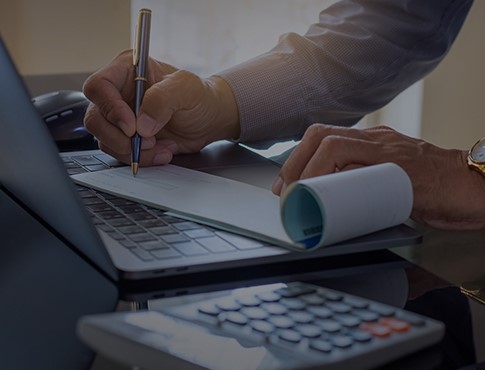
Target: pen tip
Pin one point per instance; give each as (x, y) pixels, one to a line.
(134, 168)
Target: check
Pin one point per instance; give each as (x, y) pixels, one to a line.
(312, 213)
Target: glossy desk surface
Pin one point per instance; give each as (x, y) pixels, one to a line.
(429, 285)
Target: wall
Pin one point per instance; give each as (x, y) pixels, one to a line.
(454, 94)
(55, 36)
(206, 36)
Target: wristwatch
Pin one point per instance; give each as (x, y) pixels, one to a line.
(476, 156)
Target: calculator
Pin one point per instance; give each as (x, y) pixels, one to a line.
(279, 326)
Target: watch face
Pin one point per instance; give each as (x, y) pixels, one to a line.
(478, 152)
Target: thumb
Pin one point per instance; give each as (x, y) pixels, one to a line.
(156, 110)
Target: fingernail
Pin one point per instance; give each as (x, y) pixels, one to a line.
(148, 143)
(283, 189)
(146, 125)
(277, 185)
(162, 158)
(123, 126)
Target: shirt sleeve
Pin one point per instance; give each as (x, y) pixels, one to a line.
(357, 58)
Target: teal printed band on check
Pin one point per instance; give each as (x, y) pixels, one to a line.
(302, 216)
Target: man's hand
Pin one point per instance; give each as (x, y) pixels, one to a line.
(447, 194)
(180, 112)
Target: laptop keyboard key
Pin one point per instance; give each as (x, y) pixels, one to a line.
(240, 242)
(190, 248)
(131, 229)
(198, 233)
(142, 254)
(183, 226)
(216, 244)
(96, 167)
(153, 244)
(162, 230)
(165, 253)
(141, 237)
(86, 160)
(174, 238)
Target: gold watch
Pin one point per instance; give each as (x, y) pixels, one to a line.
(476, 156)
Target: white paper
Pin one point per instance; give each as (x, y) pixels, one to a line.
(351, 203)
(347, 204)
(205, 198)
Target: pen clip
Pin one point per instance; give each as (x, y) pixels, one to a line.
(136, 47)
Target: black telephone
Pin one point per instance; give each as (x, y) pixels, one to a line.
(63, 112)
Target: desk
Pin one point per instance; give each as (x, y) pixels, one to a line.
(440, 265)
(431, 295)
(456, 257)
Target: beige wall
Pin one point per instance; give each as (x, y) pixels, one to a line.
(55, 36)
(454, 94)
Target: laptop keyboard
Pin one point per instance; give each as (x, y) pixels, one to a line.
(149, 233)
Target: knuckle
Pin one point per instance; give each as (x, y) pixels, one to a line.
(90, 86)
(313, 130)
(90, 117)
(314, 134)
(331, 143)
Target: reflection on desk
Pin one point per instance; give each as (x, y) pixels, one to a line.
(412, 288)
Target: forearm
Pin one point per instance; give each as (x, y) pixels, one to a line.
(358, 57)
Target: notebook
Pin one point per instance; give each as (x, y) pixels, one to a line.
(147, 245)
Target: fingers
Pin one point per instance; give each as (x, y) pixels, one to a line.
(109, 89)
(325, 149)
(110, 117)
(303, 153)
(157, 153)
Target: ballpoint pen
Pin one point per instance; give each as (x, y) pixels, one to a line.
(140, 62)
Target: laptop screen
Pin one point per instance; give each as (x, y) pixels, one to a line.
(32, 171)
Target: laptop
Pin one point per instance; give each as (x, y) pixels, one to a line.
(97, 226)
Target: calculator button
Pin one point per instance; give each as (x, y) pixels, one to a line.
(209, 308)
(269, 297)
(313, 300)
(348, 321)
(361, 336)
(228, 305)
(377, 330)
(329, 326)
(290, 335)
(255, 313)
(320, 312)
(396, 325)
(331, 296)
(309, 330)
(339, 307)
(356, 302)
(281, 322)
(365, 315)
(248, 300)
(274, 308)
(293, 291)
(293, 304)
(342, 341)
(236, 318)
(301, 317)
(321, 345)
(262, 326)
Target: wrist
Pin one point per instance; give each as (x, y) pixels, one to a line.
(228, 120)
